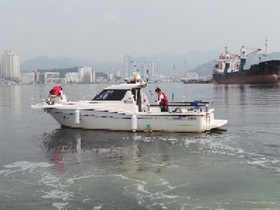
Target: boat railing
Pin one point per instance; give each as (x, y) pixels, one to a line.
(194, 105)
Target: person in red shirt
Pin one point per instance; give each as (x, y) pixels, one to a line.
(55, 95)
(162, 100)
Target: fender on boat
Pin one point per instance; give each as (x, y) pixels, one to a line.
(77, 116)
(133, 123)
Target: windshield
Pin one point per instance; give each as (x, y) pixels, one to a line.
(110, 95)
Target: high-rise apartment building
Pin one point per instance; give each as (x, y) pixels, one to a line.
(127, 62)
(10, 66)
(86, 74)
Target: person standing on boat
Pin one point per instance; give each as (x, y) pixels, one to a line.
(162, 100)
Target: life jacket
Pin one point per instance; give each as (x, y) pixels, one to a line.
(56, 91)
(163, 101)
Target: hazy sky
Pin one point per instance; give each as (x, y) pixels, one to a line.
(109, 29)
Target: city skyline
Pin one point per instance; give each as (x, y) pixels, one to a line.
(108, 30)
(10, 72)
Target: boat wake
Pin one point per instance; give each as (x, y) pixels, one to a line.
(227, 145)
(27, 176)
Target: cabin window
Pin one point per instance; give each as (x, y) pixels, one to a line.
(110, 95)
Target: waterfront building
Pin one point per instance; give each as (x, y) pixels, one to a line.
(10, 66)
(52, 78)
(149, 69)
(86, 75)
(39, 77)
(72, 77)
(28, 77)
(110, 76)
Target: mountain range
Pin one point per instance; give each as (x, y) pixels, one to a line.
(201, 62)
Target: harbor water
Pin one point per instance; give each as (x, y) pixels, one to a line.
(44, 166)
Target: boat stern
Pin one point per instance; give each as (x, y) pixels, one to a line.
(216, 123)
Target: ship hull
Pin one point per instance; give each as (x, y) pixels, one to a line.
(263, 73)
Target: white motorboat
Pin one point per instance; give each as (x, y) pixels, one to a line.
(125, 107)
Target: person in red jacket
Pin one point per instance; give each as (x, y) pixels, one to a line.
(162, 100)
(55, 95)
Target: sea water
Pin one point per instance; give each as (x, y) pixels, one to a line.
(44, 166)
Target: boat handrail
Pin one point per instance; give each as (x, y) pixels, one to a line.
(193, 103)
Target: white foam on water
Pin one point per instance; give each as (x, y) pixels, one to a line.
(86, 199)
(153, 194)
(223, 147)
(59, 206)
(72, 180)
(166, 164)
(25, 166)
(55, 188)
(49, 180)
(4, 171)
(97, 207)
(127, 178)
(57, 194)
(141, 188)
(259, 202)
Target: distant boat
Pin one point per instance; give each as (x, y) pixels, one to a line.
(230, 69)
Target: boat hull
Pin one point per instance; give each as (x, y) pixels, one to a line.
(148, 122)
(262, 73)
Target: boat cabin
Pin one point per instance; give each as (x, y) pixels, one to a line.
(128, 93)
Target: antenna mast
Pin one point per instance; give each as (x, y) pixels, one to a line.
(265, 53)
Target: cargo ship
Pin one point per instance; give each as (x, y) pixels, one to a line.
(230, 69)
